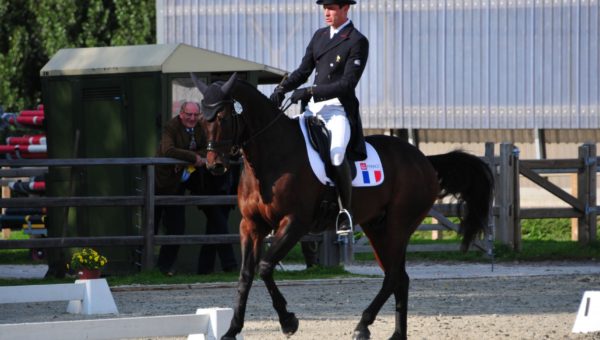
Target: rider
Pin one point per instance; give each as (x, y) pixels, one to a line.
(338, 54)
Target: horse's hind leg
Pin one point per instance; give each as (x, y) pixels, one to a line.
(401, 296)
(361, 331)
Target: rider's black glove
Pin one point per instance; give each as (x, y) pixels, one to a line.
(302, 95)
(277, 96)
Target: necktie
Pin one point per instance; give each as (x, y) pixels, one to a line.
(193, 145)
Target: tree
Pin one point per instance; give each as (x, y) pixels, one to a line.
(32, 32)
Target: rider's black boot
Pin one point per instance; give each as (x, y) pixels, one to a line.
(343, 183)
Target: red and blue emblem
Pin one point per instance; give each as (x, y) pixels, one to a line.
(371, 173)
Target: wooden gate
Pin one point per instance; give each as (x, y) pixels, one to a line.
(507, 208)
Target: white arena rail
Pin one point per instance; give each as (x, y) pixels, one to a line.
(206, 324)
(84, 296)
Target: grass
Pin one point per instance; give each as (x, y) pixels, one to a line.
(16, 256)
(154, 277)
(542, 240)
(532, 251)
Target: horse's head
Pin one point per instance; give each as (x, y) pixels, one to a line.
(218, 123)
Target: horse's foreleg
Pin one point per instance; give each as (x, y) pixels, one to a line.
(279, 248)
(250, 254)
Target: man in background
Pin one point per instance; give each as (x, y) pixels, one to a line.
(182, 138)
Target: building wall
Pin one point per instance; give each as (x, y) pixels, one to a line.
(433, 64)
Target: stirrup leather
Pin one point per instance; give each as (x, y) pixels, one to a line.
(338, 231)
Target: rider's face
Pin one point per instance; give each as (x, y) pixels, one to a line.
(335, 15)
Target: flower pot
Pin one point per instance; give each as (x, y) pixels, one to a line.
(88, 274)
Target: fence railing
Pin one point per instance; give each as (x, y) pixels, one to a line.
(507, 208)
(147, 200)
(504, 224)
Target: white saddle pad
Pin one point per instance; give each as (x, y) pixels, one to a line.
(368, 172)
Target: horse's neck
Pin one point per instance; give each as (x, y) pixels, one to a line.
(272, 140)
(276, 143)
(263, 125)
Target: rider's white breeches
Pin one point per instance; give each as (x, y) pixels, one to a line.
(339, 127)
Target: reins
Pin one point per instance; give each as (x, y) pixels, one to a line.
(266, 127)
(212, 145)
(263, 129)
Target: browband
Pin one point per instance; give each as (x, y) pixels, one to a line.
(210, 110)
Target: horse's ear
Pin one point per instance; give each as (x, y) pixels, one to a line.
(229, 84)
(199, 83)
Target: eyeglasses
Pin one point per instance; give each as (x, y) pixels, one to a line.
(191, 114)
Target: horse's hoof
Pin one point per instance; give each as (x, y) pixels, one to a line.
(397, 336)
(361, 334)
(289, 325)
(228, 336)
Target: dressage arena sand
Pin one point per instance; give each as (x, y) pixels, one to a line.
(503, 307)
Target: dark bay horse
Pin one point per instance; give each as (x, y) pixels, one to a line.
(278, 193)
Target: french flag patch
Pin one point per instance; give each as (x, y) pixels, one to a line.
(371, 173)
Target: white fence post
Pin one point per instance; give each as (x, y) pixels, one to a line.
(97, 299)
(85, 296)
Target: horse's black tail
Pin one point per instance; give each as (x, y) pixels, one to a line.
(470, 180)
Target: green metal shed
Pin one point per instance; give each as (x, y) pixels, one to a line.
(112, 102)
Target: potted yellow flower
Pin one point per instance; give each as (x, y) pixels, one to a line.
(88, 263)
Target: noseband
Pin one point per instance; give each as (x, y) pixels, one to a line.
(232, 144)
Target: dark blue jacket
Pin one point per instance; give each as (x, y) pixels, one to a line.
(339, 63)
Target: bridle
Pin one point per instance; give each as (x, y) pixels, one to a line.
(216, 146)
(211, 111)
(239, 124)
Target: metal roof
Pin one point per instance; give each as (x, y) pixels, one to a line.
(165, 58)
(433, 64)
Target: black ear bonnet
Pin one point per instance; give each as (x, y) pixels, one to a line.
(216, 96)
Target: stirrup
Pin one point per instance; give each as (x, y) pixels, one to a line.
(339, 231)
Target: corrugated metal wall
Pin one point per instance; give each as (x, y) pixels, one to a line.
(433, 64)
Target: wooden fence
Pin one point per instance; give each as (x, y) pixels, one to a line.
(504, 224)
(507, 208)
(147, 200)
(507, 213)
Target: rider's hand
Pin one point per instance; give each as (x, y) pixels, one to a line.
(277, 96)
(302, 95)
